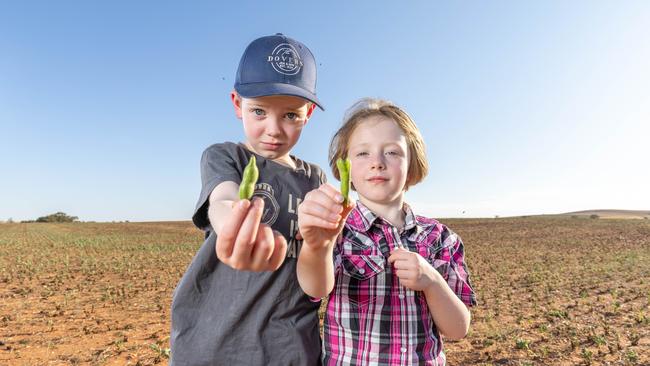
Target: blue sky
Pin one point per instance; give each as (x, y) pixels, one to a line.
(526, 107)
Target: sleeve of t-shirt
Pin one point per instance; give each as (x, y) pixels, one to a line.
(450, 262)
(218, 164)
(322, 176)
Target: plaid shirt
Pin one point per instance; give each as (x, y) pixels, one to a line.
(371, 319)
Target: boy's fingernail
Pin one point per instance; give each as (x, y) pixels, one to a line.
(242, 203)
(339, 198)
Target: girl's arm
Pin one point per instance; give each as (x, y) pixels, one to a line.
(321, 217)
(315, 269)
(451, 315)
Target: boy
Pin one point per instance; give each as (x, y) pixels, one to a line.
(242, 305)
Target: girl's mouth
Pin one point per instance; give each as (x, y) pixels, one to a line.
(377, 179)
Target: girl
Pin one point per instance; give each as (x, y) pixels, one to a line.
(396, 281)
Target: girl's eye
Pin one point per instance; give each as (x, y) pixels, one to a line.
(392, 153)
(361, 153)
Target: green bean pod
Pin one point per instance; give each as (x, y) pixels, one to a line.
(344, 174)
(249, 179)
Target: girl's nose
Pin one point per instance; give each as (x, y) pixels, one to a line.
(378, 162)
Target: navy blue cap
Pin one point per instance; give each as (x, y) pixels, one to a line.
(277, 65)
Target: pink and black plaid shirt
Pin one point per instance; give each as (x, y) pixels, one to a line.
(371, 319)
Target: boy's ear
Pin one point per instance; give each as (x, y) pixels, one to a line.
(236, 102)
(310, 110)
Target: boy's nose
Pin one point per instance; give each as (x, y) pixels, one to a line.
(273, 126)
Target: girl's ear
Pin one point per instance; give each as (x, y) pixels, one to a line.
(236, 103)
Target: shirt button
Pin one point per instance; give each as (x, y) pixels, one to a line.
(401, 296)
(362, 271)
(403, 349)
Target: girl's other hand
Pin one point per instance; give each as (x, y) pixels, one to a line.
(413, 271)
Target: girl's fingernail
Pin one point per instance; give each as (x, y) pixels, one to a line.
(339, 198)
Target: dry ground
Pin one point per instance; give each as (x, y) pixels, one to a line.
(612, 214)
(552, 291)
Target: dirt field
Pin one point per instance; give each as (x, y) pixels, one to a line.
(552, 291)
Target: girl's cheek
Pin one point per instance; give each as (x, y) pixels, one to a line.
(355, 176)
(357, 170)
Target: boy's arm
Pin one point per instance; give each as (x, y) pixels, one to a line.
(321, 218)
(221, 201)
(243, 243)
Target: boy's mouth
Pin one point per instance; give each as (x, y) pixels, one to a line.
(271, 145)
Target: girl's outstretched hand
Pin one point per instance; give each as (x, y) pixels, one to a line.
(413, 271)
(321, 216)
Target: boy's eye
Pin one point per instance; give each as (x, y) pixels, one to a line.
(292, 116)
(258, 112)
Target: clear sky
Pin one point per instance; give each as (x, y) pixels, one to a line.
(526, 107)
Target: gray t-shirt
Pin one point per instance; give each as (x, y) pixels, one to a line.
(221, 316)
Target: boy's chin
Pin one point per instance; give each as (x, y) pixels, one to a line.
(273, 155)
(266, 153)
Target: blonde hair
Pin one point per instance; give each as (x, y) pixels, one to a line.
(368, 107)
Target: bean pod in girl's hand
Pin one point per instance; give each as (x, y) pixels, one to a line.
(344, 173)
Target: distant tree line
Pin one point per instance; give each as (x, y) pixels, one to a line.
(55, 217)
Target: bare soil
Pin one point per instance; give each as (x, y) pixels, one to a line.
(551, 291)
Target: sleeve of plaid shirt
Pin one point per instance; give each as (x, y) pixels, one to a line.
(450, 262)
(336, 255)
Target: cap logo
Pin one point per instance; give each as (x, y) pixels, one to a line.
(285, 59)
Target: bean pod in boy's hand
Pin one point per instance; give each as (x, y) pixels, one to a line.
(344, 173)
(249, 178)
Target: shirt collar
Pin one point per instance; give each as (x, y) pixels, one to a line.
(361, 219)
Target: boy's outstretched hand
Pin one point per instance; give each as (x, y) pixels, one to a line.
(321, 216)
(246, 244)
(413, 271)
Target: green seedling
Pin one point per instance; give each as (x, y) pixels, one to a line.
(247, 186)
(344, 174)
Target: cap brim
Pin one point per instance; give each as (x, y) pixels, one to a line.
(267, 89)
